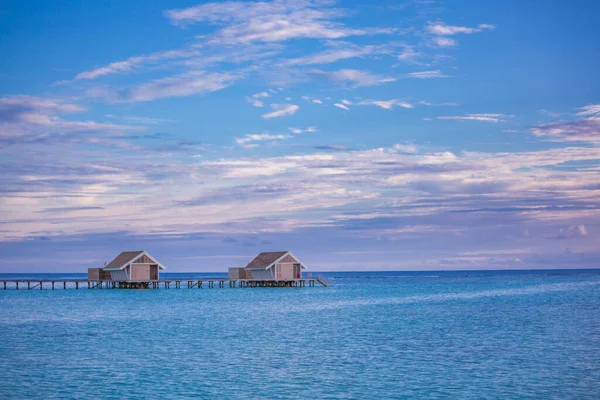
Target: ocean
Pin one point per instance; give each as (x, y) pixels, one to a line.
(370, 335)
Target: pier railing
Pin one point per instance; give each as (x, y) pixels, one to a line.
(191, 283)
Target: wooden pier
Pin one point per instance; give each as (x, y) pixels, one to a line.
(190, 283)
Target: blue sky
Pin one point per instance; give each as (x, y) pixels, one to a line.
(395, 135)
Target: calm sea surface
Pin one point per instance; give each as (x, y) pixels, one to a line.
(427, 335)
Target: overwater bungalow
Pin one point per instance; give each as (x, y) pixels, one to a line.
(129, 266)
(270, 266)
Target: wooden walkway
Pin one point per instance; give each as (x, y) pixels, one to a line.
(190, 283)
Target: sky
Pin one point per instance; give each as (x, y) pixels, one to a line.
(388, 135)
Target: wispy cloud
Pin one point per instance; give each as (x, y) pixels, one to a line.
(585, 128)
(572, 232)
(141, 120)
(250, 140)
(30, 118)
(478, 117)
(387, 104)
(444, 42)
(439, 33)
(592, 110)
(441, 29)
(341, 51)
(359, 78)
(281, 110)
(425, 75)
(186, 84)
(255, 99)
(297, 131)
(134, 63)
(409, 55)
(342, 106)
(274, 21)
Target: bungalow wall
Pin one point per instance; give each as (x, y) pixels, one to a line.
(121, 275)
(285, 271)
(98, 274)
(238, 273)
(144, 272)
(263, 274)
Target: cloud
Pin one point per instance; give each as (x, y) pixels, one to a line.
(425, 75)
(275, 21)
(254, 99)
(580, 129)
(342, 106)
(297, 131)
(342, 51)
(591, 110)
(281, 110)
(444, 42)
(455, 199)
(359, 78)
(135, 63)
(334, 147)
(31, 119)
(409, 55)
(387, 104)
(441, 29)
(572, 232)
(478, 117)
(404, 148)
(190, 83)
(141, 120)
(249, 140)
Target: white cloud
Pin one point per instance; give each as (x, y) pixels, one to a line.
(591, 110)
(478, 117)
(426, 74)
(387, 104)
(186, 84)
(572, 232)
(248, 140)
(134, 63)
(550, 113)
(441, 29)
(404, 148)
(444, 42)
(254, 99)
(359, 78)
(275, 21)
(296, 131)
(281, 110)
(141, 120)
(409, 55)
(317, 101)
(347, 51)
(585, 129)
(25, 118)
(342, 106)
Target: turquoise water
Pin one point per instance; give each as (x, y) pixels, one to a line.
(371, 335)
